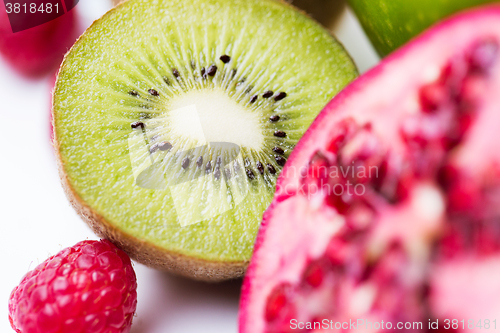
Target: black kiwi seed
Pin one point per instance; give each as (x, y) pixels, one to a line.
(260, 167)
(254, 98)
(271, 169)
(247, 162)
(185, 163)
(217, 172)
(280, 96)
(241, 82)
(153, 148)
(212, 70)
(233, 72)
(249, 89)
(208, 167)
(137, 124)
(176, 72)
(225, 58)
(278, 150)
(166, 80)
(274, 118)
(199, 161)
(165, 145)
(153, 92)
(267, 94)
(133, 93)
(250, 174)
(280, 160)
(203, 71)
(280, 134)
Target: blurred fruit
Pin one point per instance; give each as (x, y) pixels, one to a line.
(388, 208)
(38, 50)
(90, 287)
(325, 12)
(391, 23)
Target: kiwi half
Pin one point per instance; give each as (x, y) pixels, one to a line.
(173, 118)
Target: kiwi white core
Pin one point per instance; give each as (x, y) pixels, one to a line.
(211, 115)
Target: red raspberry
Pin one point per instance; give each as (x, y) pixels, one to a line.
(90, 287)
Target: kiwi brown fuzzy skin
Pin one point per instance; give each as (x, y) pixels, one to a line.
(140, 250)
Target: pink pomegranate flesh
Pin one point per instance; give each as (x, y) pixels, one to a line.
(387, 213)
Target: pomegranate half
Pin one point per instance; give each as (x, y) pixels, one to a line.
(387, 213)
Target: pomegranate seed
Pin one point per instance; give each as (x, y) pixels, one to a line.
(342, 132)
(316, 175)
(277, 302)
(457, 131)
(472, 87)
(314, 274)
(453, 75)
(447, 176)
(463, 196)
(432, 96)
(362, 147)
(340, 202)
(360, 217)
(378, 180)
(337, 252)
(452, 243)
(411, 131)
(394, 186)
(483, 55)
(403, 186)
(486, 237)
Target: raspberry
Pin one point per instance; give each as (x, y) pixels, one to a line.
(90, 287)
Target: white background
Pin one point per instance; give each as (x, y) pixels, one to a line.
(36, 220)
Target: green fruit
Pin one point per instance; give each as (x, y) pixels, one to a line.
(391, 23)
(173, 119)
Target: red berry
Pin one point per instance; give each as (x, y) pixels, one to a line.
(90, 287)
(37, 51)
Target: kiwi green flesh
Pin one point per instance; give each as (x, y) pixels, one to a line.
(104, 85)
